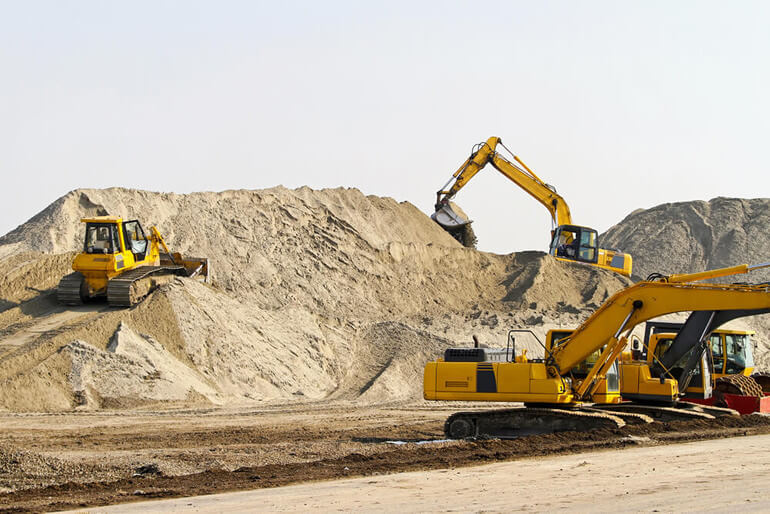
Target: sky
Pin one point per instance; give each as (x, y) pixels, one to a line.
(619, 104)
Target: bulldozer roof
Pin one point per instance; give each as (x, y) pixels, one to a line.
(102, 219)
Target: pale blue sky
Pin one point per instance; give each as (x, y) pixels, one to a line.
(619, 104)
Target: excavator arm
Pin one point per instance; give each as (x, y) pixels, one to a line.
(644, 301)
(486, 153)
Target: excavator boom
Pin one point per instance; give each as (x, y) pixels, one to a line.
(486, 153)
(568, 242)
(647, 300)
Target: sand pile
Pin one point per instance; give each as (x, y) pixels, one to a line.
(694, 236)
(315, 294)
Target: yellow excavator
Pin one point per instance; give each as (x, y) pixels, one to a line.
(120, 262)
(569, 242)
(682, 350)
(583, 367)
(679, 351)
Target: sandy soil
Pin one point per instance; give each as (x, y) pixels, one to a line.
(59, 461)
(670, 478)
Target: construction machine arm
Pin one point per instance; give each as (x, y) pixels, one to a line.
(522, 176)
(644, 301)
(697, 327)
(159, 240)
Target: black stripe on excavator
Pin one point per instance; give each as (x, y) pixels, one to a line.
(485, 378)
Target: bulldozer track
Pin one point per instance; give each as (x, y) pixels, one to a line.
(68, 292)
(738, 384)
(122, 291)
(515, 423)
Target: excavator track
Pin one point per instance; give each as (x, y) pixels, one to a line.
(738, 384)
(515, 423)
(130, 287)
(681, 411)
(69, 290)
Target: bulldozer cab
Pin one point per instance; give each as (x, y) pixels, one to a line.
(101, 238)
(575, 243)
(135, 240)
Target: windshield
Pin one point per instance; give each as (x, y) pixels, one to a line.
(738, 352)
(101, 238)
(678, 367)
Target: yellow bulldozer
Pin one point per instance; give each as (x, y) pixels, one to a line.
(121, 263)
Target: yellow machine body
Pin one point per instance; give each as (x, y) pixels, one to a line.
(578, 364)
(569, 242)
(494, 382)
(113, 246)
(107, 253)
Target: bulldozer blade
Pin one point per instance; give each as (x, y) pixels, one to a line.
(449, 219)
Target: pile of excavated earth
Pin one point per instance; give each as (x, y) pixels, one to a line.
(315, 295)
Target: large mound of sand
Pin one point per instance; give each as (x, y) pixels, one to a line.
(315, 294)
(694, 236)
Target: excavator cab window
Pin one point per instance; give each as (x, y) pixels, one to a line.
(135, 239)
(588, 246)
(738, 352)
(662, 347)
(101, 238)
(575, 243)
(559, 337)
(717, 353)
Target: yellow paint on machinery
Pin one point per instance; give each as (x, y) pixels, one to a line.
(114, 248)
(583, 365)
(569, 242)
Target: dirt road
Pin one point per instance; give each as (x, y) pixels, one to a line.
(665, 478)
(81, 459)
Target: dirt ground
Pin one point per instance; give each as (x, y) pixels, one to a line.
(628, 480)
(75, 460)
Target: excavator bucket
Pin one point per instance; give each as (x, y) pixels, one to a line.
(449, 219)
(457, 226)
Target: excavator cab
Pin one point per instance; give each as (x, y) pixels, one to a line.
(575, 243)
(700, 383)
(732, 352)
